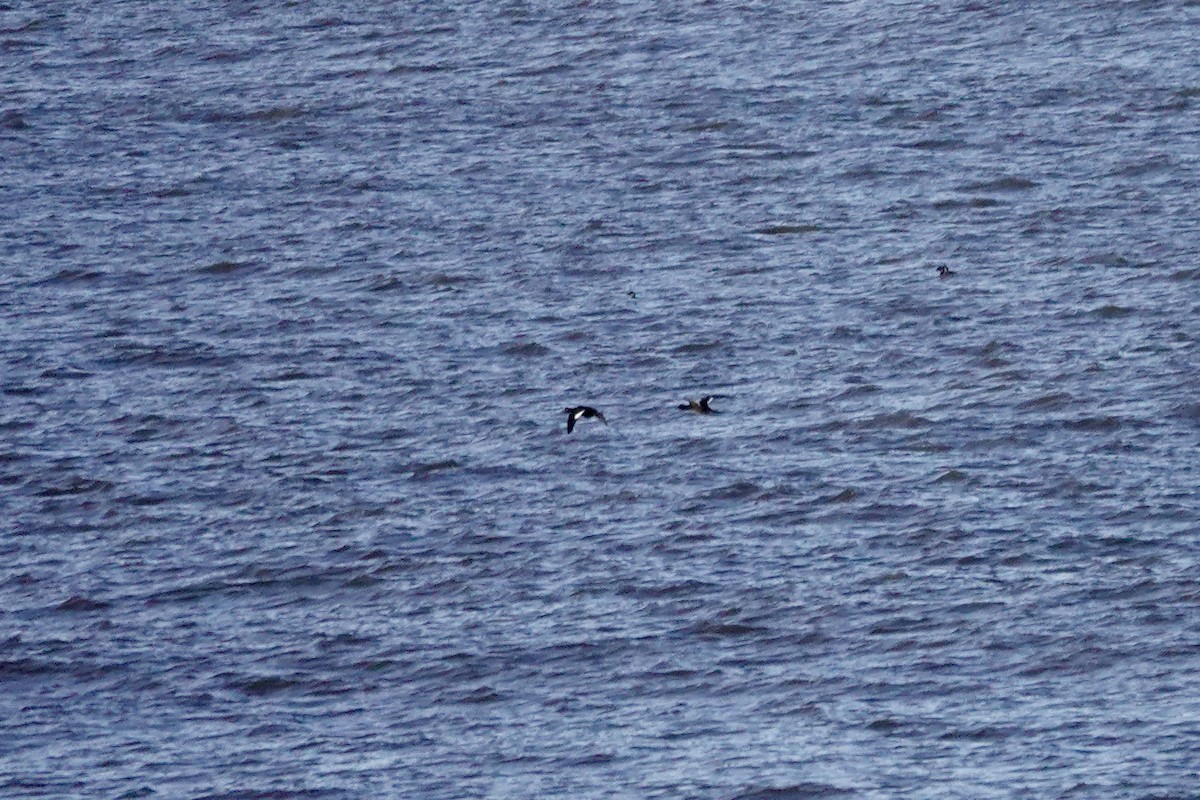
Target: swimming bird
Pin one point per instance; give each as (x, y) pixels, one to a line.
(701, 407)
(944, 271)
(581, 412)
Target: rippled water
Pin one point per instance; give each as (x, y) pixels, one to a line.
(292, 300)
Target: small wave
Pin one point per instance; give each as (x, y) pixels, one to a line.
(1187, 411)
(995, 346)
(25, 391)
(320, 23)
(897, 625)
(75, 484)
(1051, 400)
(966, 202)
(525, 349)
(719, 629)
(554, 68)
(74, 275)
(168, 192)
(1111, 311)
(864, 172)
(17, 668)
(1111, 259)
(686, 588)
(262, 685)
(447, 279)
(145, 427)
(984, 733)
(13, 121)
(415, 69)
(1093, 423)
(480, 694)
(593, 759)
(902, 420)
(1156, 163)
(178, 354)
(709, 126)
(190, 592)
(885, 725)
(859, 391)
(737, 490)
(786, 229)
(797, 791)
(419, 470)
(935, 144)
(145, 500)
(767, 153)
(847, 495)
(225, 57)
(66, 373)
(276, 114)
(81, 603)
(388, 283)
(1005, 184)
(224, 267)
(697, 347)
(289, 375)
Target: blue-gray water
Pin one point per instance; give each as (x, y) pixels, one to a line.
(292, 297)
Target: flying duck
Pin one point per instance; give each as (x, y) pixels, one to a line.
(581, 412)
(701, 407)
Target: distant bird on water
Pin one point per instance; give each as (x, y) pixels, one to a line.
(581, 412)
(701, 407)
(944, 271)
